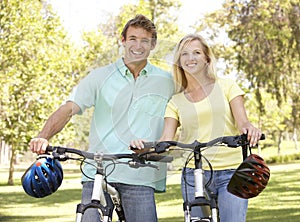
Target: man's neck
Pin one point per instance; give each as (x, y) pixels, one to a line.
(135, 67)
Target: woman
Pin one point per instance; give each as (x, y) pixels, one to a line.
(207, 107)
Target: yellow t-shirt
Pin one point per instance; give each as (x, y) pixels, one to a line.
(208, 119)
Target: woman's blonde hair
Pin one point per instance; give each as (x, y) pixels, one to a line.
(178, 72)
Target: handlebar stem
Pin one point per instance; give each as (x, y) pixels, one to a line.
(98, 157)
(97, 189)
(199, 184)
(198, 174)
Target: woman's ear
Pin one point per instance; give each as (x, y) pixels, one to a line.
(207, 60)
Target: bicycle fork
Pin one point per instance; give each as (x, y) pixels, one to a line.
(200, 193)
(98, 201)
(98, 198)
(200, 199)
(115, 197)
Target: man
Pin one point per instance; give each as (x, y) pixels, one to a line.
(129, 99)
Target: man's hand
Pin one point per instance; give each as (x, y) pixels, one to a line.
(38, 145)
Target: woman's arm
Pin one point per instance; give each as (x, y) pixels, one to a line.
(170, 127)
(239, 113)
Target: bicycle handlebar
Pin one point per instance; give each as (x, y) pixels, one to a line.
(230, 141)
(136, 157)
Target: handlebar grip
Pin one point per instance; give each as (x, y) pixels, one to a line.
(150, 144)
(49, 148)
(159, 158)
(262, 137)
(159, 147)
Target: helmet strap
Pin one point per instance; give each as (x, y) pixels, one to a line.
(245, 150)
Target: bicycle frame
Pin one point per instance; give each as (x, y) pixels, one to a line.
(200, 199)
(200, 190)
(98, 200)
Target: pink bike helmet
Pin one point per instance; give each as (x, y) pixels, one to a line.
(250, 178)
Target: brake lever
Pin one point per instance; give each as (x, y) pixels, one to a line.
(135, 164)
(60, 157)
(162, 147)
(159, 147)
(243, 139)
(236, 141)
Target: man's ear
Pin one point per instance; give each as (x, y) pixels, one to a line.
(153, 44)
(123, 40)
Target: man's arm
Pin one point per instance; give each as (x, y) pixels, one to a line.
(54, 125)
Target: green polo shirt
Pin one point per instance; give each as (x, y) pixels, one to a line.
(125, 109)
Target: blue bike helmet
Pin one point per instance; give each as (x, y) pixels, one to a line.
(43, 177)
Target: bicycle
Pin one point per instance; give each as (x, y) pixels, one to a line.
(203, 196)
(98, 200)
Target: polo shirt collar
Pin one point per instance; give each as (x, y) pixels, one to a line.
(125, 71)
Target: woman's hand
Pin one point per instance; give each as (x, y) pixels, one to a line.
(138, 146)
(254, 134)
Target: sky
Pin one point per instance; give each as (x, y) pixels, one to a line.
(85, 15)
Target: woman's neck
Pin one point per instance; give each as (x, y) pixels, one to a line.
(196, 82)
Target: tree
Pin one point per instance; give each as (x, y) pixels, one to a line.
(264, 48)
(274, 121)
(37, 69)
(162, 13)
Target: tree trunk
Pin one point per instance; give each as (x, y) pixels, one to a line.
(279, 143)
(11, 167)
(295, 139)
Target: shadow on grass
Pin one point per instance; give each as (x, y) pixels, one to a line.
(172, 198)
(37, 218)
(279, 201)
(171, 219)
(27, 218)
(9, 201)
(59, 197)
(173, 193)
(285, 214)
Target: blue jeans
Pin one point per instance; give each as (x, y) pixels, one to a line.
(231, 208)
(137, 201)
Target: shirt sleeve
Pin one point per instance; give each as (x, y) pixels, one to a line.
(172, 111)
(84, 93)
(232, 89)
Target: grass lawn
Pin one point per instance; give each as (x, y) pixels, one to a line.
(280, 201)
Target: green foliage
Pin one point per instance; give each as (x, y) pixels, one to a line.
(38, 70)
(39, 65)
(163, 13)
(99, 48)
(284, 158)
(262, 48)
(265, 44)
(274, 119)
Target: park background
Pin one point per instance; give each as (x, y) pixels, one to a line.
(256, 42)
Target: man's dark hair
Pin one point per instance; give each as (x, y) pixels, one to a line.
(141, 21)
